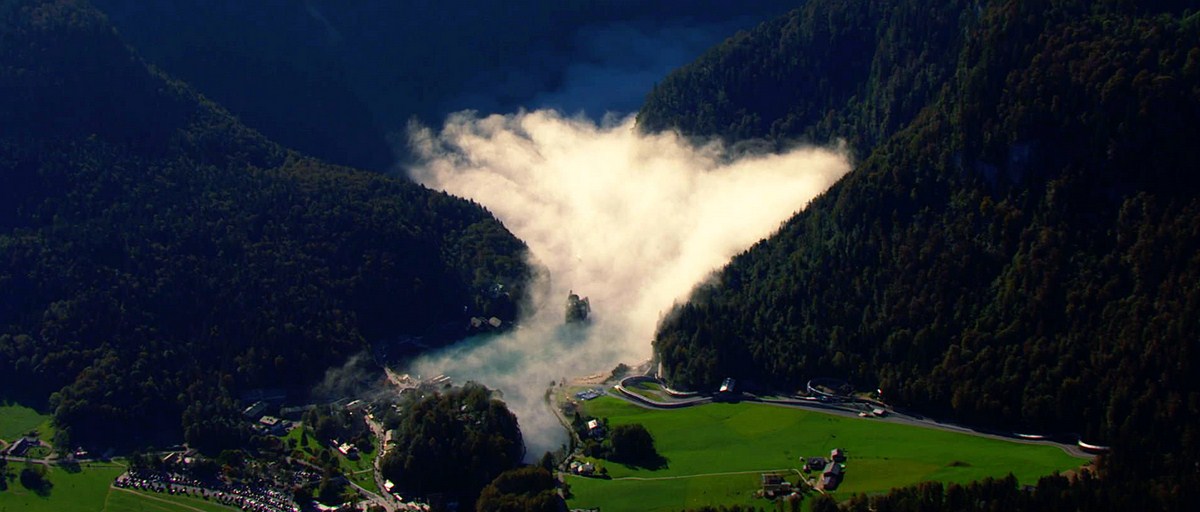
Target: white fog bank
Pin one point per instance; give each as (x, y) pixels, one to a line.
(632, 221)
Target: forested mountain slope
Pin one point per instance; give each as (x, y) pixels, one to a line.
(856, 70)
(1018, 247)
(157, 257)
(334, 79)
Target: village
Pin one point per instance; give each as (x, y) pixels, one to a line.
(317, 456)
(324, 456)
(308, 465)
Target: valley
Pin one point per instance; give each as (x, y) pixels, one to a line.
(717, 451)
(315, 255)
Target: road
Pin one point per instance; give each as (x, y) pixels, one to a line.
(566, 423)
(851, 409)
(724, 473)
(385, 501)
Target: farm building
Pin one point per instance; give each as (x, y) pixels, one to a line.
(837, 455)
(728, 385)
(595, 429)
(273, 425)
(255, 410)
(774, 483)
(832, 476)
(582, 468)
(589, 394)
(21, 446)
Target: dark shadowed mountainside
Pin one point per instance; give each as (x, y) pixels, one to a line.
(855, 70)
(333, 78)
(1018, 247)
(157, 257)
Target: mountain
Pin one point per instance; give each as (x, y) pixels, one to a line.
(1017, 245)
(856, 70)
(335, 79)
(158, 257)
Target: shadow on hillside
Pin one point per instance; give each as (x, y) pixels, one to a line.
(652, 462)
(35, 480)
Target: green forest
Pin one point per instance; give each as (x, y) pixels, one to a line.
(159, 258)
(1017, 245)
(454, 444)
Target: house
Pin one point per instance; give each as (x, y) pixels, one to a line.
(434, 384)
(582, 468)
(255, 410)
(832, 476)
(815, 464)
(273, 425)
(21, 446)
(834, 469)
(589, 394)
(595, 429)
(828, 483)
(349, 450)
(774, 483)
(727, 386)
(837, 455)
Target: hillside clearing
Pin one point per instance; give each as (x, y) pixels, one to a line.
(716, 451)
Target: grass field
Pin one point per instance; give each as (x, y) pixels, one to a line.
(89, 490)
(17, 420)
(126, 500)
(84, 491)
(735, 438)
(360, 471)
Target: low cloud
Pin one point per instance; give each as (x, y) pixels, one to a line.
(632, 221)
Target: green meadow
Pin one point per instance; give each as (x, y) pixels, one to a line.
(715, 453)
(90, 490)
(17, 420)
(124, 500)
(361, 470)
(82, 491)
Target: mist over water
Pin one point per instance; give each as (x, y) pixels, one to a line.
(632, 221)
